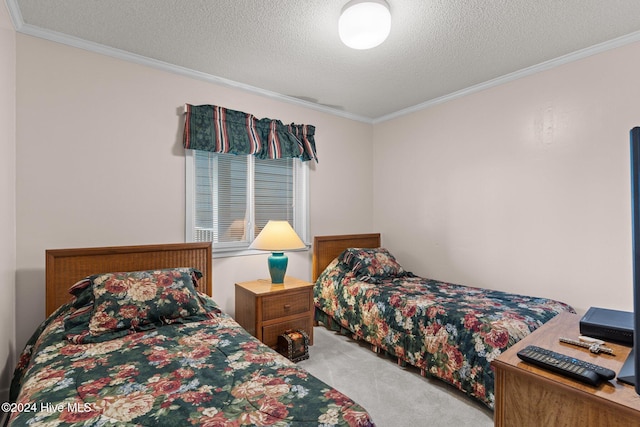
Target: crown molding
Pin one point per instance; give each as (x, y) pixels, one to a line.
(21, 27)
(543, 66)
(66, 39)
(15, 14)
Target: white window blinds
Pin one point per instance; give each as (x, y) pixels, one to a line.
(231, 198)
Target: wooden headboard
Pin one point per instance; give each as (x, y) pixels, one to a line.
(326, 248)
(64, 267)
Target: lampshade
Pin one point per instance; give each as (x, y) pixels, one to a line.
(277, 236)
(364, 24)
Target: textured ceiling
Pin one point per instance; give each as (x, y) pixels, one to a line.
(291, 48)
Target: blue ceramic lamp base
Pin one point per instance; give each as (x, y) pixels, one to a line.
(277, 267)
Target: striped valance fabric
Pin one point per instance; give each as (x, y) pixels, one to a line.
(221, 130)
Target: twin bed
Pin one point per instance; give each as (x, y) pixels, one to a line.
(145, 345)
(140, 341)
(447, 331)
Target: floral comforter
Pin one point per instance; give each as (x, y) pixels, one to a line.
(208, 373)
(448, 331)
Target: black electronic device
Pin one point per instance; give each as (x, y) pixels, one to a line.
(566, 365)
(609, 325)
(632, 365)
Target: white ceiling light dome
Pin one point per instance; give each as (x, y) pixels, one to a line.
(364, 24)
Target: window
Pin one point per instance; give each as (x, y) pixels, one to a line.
(231, 198)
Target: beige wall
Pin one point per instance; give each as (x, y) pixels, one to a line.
(7, 199)
(523, 187)
(100, 162)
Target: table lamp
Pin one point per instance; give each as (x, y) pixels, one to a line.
(277, 236)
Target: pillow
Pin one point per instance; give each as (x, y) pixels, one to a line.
(80, 286)
(128, 302)
(372, 262)
(82, 293)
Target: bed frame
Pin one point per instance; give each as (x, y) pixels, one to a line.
(327, 248)
(64, 267)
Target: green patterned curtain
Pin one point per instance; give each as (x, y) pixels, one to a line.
(221, 130)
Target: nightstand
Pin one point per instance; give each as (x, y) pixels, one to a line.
(266, 310)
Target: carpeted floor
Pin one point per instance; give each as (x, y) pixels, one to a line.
(394, 396)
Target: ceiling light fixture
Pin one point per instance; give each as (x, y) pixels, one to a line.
(364, 24)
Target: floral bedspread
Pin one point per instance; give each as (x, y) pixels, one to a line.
(448, 331)
(208, 373)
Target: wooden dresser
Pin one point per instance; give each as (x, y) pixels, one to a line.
(267, 310)
(530, 396)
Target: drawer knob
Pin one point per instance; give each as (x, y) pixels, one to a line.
(287, 306)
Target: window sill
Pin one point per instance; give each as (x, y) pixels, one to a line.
(226, 253)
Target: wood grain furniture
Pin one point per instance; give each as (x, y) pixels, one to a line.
(266, 310)
(447, 331)
(527, 395)
(64, 267)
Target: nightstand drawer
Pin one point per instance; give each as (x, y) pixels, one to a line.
(277, 306)
(266, 310)
(270, 333)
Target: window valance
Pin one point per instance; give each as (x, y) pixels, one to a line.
(221, 130)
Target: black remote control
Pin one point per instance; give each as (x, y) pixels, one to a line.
(566, 365)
